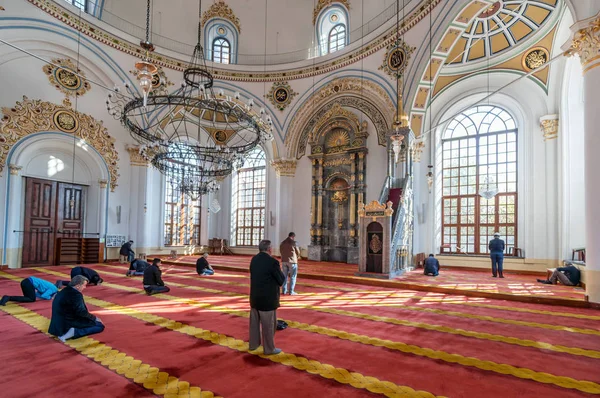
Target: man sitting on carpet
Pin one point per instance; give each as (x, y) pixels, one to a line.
(153, 282)
(32, 288)
(91, 275)
(203, 267)
(568, 276)
(70, 316)
(432, 266)
(266, 279)
(137, 267)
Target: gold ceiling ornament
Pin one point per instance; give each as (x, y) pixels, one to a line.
(535, 58)
(284, 167)
(281, 95)
(160, 81)
(14, 169)
(321, 4)
(221, 10)
(136, 158)
(549, 125)
(336, 112)
(62, 77)
(102, 183)
(586, 44)
(417, 150)
(337, 138)
(396, 58)
(34, 116)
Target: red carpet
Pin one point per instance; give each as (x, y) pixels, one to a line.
(344, 340)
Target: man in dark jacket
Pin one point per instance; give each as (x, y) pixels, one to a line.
(266, 279)
(70, 316)
(432, 266)
(126, 251)
(91, 275)
(497, 255)
(153, 282)
(203, 267)
(137, 267)
(290, 252)
(568, 276)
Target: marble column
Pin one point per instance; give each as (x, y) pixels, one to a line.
(138, 216)
(12, 254)
(283, 218)
(585, 42)
(102, 204)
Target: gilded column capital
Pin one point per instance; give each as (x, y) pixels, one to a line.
(14, 169)
(417, 150)
(549, 125)
(585, 42)
(102, 183)
(284, 167)
(135, 157)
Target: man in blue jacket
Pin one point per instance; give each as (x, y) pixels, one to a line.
(70, 316)
(431, 266)
(33, 288)
(497, 255)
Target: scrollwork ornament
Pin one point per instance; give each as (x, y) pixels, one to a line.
(281, 95)
(586, 43)
(396, 58)
(61, 74)
(221, 10)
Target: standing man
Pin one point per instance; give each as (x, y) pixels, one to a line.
(126, 251)
(153, 282)
(33, 288)
(70, 316)
(289, 262)
(265, 280)
(497, 255)
(431, 266)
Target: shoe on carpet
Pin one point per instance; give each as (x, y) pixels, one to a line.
(253, 349)
(501, 276)
(494, 276)
(58, 284)
(293, 293)
(4, 300)
(544, 281)
(70, 333)
(275, 352)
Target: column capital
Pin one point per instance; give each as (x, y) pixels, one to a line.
(102, 183)
(135, 157)
(417, 149)
(284, 167)
(14, 169)
(549, 125)
(585, 42)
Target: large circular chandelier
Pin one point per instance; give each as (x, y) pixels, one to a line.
(193, 133)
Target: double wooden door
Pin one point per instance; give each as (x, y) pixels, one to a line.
(52, 210)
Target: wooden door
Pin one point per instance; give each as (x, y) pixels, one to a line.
(375, 247)
(40, 218)
(70, 210)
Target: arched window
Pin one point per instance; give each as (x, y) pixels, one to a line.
(332, 28)
(337, 38)
(479, 153)
(249, 200)
(221, 51)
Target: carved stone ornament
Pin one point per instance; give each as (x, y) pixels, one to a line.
(221, 10)
(417, 150)
(396, 58)
(102, 184)
(136, 158)
(586, 43)
(549, 125)
(14, 169)
(336, 112)
(281, 95)
(63, 78)
(321, 4)
(160, 82)
(284, 167)
(32, 116)
(535, 58)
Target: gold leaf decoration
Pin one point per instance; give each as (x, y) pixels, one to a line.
(221, 10)
(62, 76)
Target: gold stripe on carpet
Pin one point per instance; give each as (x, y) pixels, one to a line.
(523, 373)
(151, 378)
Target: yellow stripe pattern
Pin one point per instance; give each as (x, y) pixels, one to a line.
(523, 373)
(160, 383)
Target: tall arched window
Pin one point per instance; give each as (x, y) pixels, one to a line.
(221, 51)
(249, 200)
(332, 28)
(337, 38)
(479, 152)
(182, 217)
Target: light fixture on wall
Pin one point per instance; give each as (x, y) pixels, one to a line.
(429, 176)
(145, 68)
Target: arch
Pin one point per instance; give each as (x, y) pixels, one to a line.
(365, 96)
(32, 116)
(332, 18)
(337, 38)
(221, 29)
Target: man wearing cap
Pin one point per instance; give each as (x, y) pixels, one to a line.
(497, 255)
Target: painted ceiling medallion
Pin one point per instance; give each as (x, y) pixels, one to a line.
(396, 58)
(326, 3)
(160, 82)
(491, 10)
(535, 58)
(221, 10)
(66, 121)
(281, 95)
(63, 78)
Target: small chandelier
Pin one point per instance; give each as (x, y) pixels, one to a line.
(429, 176)
(145, 68)
(488, 189)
